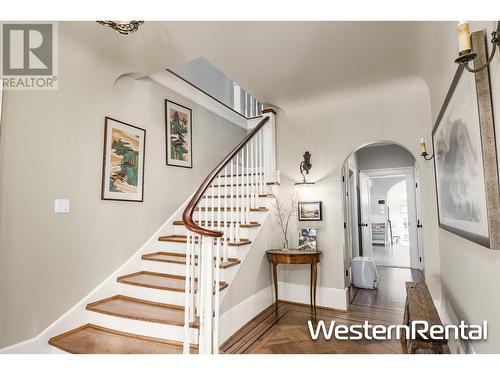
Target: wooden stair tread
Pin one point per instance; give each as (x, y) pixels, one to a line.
(183, 239)
(169, 257)
(138, 309)
(93, 339)
(259, 209)
(252, 224)
(158, 280)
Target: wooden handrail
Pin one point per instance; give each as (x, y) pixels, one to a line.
(187, 215)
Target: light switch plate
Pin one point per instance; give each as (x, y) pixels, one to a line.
(61, 206)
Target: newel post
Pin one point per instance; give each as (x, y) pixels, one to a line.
(269, 134)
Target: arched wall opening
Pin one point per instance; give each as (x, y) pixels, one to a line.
(370, 175)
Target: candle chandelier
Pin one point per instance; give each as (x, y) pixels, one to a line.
(466, 54)
(123, 27)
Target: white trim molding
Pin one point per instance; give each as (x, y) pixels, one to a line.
(171, 81)
(326, 297)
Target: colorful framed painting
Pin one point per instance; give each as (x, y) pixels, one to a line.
(465, 161)
(123, 161)
(178, 132)
(310, 211)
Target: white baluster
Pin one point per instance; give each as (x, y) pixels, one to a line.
(247, 178)
(212, 206)
(216, 302)
(219, 205)
(261, 162)
(231, 217)
(197, 241)
(207, 284)
(238, 206)
(192, 310)
(201, 294)
(226, 223)
(187, 290)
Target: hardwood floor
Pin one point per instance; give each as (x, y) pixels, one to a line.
(286, 332)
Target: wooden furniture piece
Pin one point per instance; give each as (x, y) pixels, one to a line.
(279, 256)
(419, 306)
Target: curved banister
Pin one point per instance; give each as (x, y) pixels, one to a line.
(187, 215)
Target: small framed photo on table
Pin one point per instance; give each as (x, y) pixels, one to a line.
(307, 239)
(310, 211)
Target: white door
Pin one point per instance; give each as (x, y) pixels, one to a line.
(365, 222)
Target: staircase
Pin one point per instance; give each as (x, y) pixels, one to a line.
(170, 302)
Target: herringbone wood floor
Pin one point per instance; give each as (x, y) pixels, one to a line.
(286, 331)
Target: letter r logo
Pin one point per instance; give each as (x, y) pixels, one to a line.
(27, 49)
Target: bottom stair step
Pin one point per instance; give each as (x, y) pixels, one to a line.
(92, 339)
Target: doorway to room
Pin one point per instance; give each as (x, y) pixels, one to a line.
(382, 215)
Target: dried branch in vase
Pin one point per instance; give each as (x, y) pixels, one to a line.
(283, 215)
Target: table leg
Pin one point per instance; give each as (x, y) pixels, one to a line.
(275, 280)
(314, 280)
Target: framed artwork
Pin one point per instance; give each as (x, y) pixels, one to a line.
(178, 124)
(307, 239)
(123, 161)
(465, 157)
(310, 211)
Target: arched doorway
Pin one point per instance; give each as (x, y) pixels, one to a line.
(381, 210)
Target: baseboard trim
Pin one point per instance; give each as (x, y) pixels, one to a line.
(330, 298)
(448, 316)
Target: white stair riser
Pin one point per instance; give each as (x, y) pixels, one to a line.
(244, 232)
(151, 294)
(171, 268)
(176, 247)
(234, 216)
(236, 202)
(139, 327)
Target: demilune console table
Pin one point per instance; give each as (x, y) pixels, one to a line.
(278, 256)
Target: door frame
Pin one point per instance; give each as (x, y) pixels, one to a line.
(365, 222)
(350, 204)
(409, 173)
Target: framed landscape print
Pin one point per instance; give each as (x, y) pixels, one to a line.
(123, 161)
(178, 135)
(307, 239)
(465, 157)
(310, 211)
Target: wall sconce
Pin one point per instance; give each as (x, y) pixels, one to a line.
(305, 166)
(465, 52)
(423, 149)
(122, 27)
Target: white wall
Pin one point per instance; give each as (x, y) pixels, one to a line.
(470, 273)
(51, 147)
(396, 111)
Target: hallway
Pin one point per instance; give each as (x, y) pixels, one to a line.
(397, 255)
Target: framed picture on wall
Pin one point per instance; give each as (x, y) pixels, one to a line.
(178, 132)
(123, 161)
(465, 157)
(310, 211)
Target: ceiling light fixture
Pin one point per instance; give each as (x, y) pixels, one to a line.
(465, 52)
(123, 27)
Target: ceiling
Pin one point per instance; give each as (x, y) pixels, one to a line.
(278, 62)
